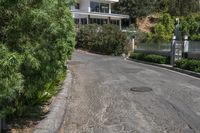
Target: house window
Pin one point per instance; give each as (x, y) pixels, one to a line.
(94, 6)
(99, 7)
(104, 8)
(98, 21)
(77, 6)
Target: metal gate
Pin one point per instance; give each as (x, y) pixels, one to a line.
(177, 50)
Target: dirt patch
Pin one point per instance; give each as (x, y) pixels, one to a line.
(22, 126)
(146, 24)
(26, 125)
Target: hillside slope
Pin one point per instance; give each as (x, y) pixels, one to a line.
(146, 24)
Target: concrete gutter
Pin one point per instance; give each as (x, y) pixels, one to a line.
(54, 119)
(194, 74)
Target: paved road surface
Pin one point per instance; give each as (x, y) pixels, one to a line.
(111, 95)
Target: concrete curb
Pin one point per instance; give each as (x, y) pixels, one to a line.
(54, 119)
(194, 74)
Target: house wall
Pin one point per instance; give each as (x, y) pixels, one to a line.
(83, 14)
(84, 5)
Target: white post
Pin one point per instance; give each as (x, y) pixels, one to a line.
(133, 44)
(172, 59)
(89, 9)
(79, 20)
(88, 19)
(186, 44)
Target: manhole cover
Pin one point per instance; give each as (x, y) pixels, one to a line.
(141, 89)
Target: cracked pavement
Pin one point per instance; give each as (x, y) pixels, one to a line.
(101, 100)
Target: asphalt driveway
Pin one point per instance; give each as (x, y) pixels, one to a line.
(111, 95)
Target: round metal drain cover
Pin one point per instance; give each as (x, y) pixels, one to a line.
(141, 89)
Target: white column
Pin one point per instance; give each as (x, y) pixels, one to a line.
(133, 44)
(110, 6)
(89, 9)
(79, 20)
(120, 24)
(88, 19)
(109, 20)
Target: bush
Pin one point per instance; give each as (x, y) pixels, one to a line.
(192, 65)
(11, 81)
(87, 36)
(149, 57)
(37, 38)
(106, 39)
(137, 56)
(155, 58)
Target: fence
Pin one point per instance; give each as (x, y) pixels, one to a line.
(154, 46)
(194, 50)
(165, 49)
(194, 46)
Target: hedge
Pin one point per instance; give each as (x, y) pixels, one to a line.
(149, 57)
(106, 39)
(189, 64)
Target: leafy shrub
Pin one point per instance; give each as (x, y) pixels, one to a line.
(192, 65)
(181, 63)
(87, 36)
(149, 57)
(106, 39)
(39, 37)
(155, 58)
(137, 56)
(11, 81)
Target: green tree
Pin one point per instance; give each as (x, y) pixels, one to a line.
(135, 8)
(178, 7)
(163, 31)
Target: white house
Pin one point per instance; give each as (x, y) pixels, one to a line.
(96, 11)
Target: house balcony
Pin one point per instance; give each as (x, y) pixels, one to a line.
(96, 11)
(98, 18)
